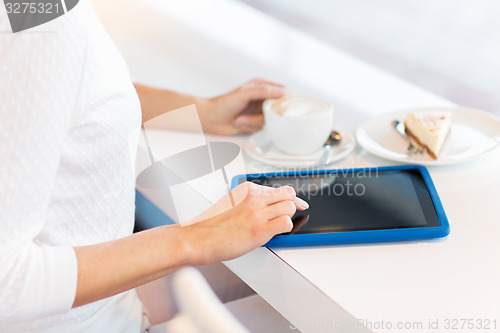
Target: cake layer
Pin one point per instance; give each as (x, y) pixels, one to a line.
(429, 129)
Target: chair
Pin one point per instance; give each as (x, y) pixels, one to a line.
(201, 310)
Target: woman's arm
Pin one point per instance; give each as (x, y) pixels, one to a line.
(110, 268)
(116, 266)
(239, 111)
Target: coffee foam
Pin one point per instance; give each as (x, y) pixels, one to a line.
(298, 107)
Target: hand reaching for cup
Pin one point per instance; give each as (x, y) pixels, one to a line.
(240, 110)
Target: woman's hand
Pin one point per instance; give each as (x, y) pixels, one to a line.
(260, 213)
(110, 268)
(239, 111)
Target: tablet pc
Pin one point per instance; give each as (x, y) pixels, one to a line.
(359, 205)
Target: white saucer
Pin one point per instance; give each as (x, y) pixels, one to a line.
(260, 148)
(473, 133)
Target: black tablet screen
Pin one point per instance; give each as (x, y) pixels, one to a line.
(359, 200)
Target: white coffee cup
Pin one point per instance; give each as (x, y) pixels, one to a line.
(298, 125)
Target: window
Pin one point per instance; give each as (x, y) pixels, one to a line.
(449, 47)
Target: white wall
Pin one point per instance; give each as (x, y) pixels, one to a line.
(450, 47)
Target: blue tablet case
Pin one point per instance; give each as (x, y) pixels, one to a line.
(366, 235)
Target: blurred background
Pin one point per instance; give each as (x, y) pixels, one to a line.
(449, 47)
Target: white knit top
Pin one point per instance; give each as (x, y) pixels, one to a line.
(69, 124)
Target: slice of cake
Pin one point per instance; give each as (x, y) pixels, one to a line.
(429, 129)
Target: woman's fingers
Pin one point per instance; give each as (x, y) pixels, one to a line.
(287, 208)
(249, 123)
(300, 204)
(272, 195)
(278, 194)
(279, 225)
(263, 91)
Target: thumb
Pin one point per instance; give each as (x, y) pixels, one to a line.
(249, 123)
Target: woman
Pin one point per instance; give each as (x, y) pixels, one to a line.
(70, 119)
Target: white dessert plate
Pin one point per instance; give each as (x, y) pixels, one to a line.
(473, 133)
(260, 147)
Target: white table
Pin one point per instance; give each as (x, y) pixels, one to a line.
(208, 47)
